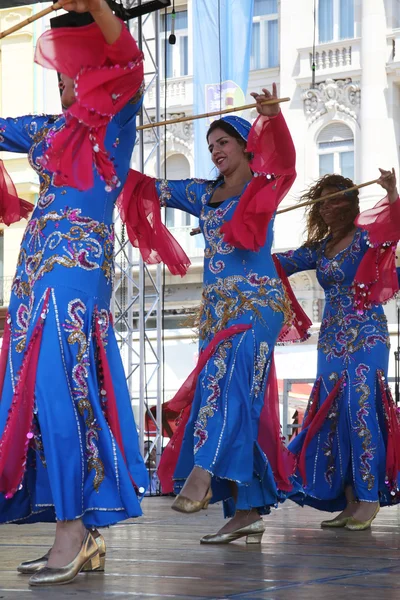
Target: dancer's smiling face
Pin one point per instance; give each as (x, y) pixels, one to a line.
(227, 152)
(336, 209)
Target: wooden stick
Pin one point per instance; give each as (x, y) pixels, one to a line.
(29, 20)
(212, 114)
(328, 196)
(197, 230)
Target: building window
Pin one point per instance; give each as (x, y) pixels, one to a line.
(335, 20)
(177, 54)
(396, 14)
(265, 35)
(336, 150)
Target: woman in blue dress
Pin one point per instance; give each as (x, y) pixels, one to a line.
(348, 447)
(68, 445)
(244, 307)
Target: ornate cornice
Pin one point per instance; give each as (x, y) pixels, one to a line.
(340, 95)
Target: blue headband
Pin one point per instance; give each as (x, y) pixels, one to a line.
(342, 187)
(240, 125)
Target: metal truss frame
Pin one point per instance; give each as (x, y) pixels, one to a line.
(138, 289)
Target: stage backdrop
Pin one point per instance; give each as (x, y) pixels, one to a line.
(221, 62)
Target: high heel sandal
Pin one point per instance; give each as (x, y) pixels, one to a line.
(336, 522)
(356, 525)
(98, 538)
(88, 554)
(29, 567)
(253, 534)
(186, 505)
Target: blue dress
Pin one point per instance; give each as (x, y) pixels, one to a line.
(239, 287)
(350, 447)
(74, 465)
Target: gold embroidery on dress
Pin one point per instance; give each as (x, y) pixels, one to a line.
(80, 373)
(223, 301)
(79, 250)
(259, 369)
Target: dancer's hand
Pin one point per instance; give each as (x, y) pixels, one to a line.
(108, 23)
(388, 181)
(82, 6)
(267, 110)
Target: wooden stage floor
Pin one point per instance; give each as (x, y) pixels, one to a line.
(159, 556)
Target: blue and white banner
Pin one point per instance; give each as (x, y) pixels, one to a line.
(221, 62)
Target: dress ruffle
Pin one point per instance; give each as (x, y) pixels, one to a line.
(139, 207)
(376, 280)
(72, 432)
(106, 77)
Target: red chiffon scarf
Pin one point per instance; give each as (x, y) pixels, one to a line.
(106, 77)
(376, 279)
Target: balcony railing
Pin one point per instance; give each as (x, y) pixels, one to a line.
(332, 59)
(179, 92)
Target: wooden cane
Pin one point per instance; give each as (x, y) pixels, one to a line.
(29, 20)
(212, 114)
(330, 196)
(197, 230)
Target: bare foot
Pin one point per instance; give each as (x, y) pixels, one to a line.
(68, 542)
(365, 510)
(197, 484)
(242, 518)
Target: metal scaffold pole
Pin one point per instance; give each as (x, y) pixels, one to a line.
(137, 300)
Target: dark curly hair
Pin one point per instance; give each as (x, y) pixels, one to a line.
(316, 228)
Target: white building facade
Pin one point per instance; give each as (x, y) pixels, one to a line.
(347, 123)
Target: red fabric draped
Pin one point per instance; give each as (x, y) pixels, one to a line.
(270, 437)
(17, 435)
(181, 404)
(393, 435)
(318, 419)
(12, 208)
(269, 434)
(376, 279)
(110, 406)
(139, 207)
(271, 143)
(297, 330)
(382, 221)
(106, 77)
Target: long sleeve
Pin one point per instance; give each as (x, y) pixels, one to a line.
(295, 261)
(376, 279)
(382, 222)
(272, 145)
(140, 209)
(182, 194)
(273, 165)
(17, 135)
